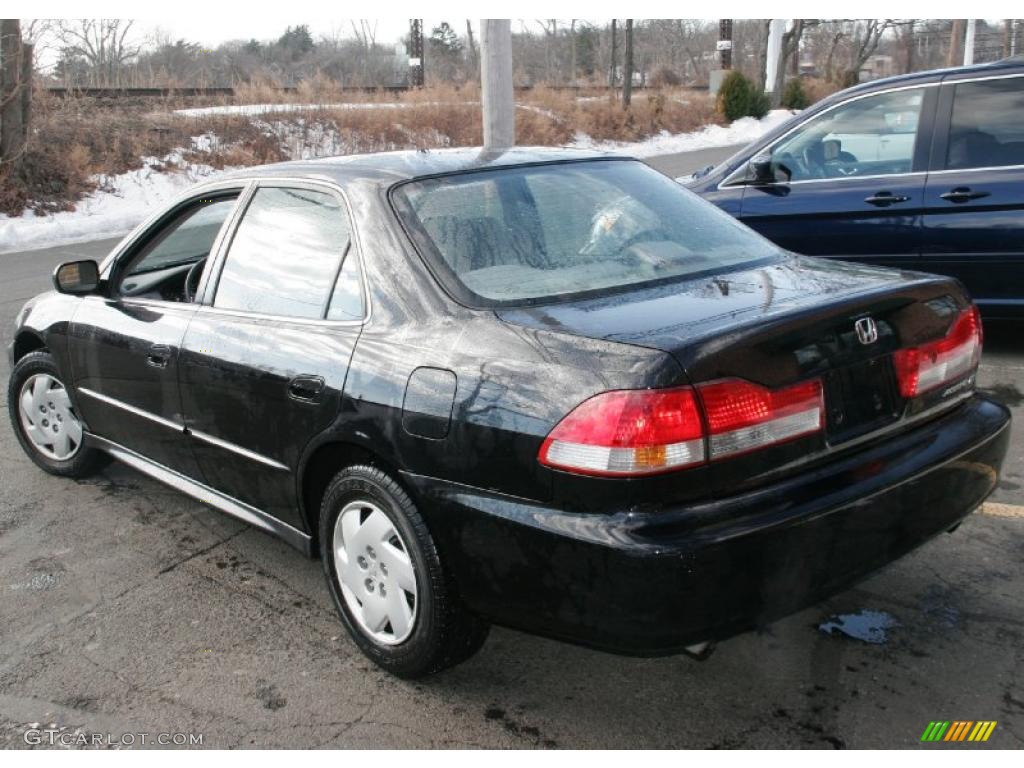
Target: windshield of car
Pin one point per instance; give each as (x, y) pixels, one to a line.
(533, 233)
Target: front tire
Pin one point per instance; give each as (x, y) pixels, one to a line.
(45, 420)
(387, 580)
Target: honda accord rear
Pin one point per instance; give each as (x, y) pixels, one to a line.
(789, 426)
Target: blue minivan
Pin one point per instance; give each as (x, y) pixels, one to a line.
(922, 171)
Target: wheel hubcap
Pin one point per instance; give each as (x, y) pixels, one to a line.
(48, 418)
(375, 572)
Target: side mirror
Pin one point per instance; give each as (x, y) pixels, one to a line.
(77, 278)
(761, 170)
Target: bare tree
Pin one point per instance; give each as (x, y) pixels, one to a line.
(627, 74)
(15, 90)
(790, 47)
(868, 33)
(611, 69)
(472, 63)
(103, 44)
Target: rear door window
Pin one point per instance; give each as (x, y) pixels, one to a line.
(987, 127)
(286, 254)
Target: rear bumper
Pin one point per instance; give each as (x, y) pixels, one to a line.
(653, 583)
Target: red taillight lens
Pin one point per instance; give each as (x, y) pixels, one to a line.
(642, 432)
(628, 432)
(921, 369)
(743, 416)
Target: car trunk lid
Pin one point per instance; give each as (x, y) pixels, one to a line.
(775, 325)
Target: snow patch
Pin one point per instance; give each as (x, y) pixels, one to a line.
(742, 131)
(250, 110)
(119, 203)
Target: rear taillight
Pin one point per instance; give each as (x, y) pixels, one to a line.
(921, 369)
(743, 416)
(628, 432)
(641, 432)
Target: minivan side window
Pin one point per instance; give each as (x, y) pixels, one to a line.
(285, 254)
(987, 127)
(870, 136)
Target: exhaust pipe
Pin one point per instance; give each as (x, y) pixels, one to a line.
(700, 651)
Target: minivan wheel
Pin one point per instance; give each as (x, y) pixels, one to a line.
(45, 420)
(387, 580)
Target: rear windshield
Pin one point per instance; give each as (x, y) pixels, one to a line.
(530, 234)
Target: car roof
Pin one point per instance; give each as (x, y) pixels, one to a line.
(392, 167)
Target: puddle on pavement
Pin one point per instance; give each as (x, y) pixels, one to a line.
(867, 626)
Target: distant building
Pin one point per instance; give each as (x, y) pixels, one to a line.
(877, 66)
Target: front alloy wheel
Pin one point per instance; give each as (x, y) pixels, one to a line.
(48, 418)
(44, 418)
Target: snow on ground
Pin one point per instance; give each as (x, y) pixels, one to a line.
(265, 109)
(115, 208)
(122, 201)
(742, 131)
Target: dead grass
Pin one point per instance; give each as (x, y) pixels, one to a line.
(75, 140)
(818, 88)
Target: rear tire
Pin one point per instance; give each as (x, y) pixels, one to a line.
(387, 580)
(44, 419)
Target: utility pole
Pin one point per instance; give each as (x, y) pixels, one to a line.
(955, 35)
(416, 53)
(496, 82)
(611, 69)
(725, 42)
(969, 43)
(773, 53)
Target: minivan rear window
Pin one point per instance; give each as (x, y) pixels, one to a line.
(529, 234)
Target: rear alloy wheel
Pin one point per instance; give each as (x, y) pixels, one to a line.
(387, 580)
(45, 420)
(375, 572)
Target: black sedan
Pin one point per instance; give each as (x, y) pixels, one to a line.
(545, 389)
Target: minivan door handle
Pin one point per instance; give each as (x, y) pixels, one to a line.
(883, 199)
(963, 195)
(306, 388)
(158, 356)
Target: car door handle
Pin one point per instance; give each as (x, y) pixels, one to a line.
(882, 199)
(305, 387)
(963, 195)
(158, 356)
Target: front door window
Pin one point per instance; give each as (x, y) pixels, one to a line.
(872, 136)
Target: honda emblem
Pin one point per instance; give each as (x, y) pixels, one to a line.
(867, 330)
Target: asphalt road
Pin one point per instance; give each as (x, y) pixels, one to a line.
(129, 608)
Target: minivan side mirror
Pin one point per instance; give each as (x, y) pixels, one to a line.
(77, 278)
(761, 170)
